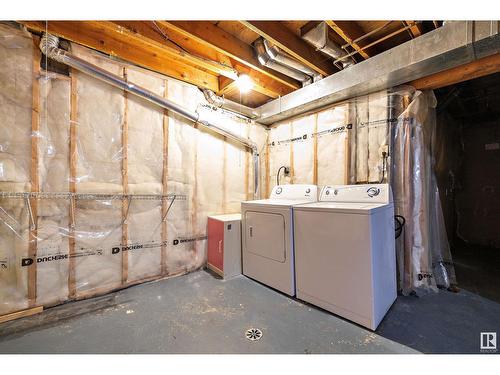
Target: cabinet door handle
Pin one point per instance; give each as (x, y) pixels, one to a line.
(251, 231)
(220, 246)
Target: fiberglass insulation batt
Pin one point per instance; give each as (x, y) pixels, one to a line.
(120, 147)
(16, 54)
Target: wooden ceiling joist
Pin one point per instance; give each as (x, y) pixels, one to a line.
(150, 33)
(214, 37)
(113, 40)
(214, 60)
(415, 29)
(349, 31)
(226, 85)
(292, 44)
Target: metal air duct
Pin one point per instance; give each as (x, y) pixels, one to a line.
(49, 45)
(279, 56)
(221, 102)
(318, 37)
(266, 60)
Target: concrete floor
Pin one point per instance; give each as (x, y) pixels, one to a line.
(198, 313)
(477, 269)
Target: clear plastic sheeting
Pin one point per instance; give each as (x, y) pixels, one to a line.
(423, 253)
(342, 144)
(99, 189)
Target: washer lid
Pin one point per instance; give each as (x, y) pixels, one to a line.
(343, 207)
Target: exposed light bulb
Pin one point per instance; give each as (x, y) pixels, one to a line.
(244, 83)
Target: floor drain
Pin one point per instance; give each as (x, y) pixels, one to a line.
(253, 334)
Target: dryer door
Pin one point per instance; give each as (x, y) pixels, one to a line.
(265, 235)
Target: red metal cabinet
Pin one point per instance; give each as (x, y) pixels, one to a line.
(224, 244)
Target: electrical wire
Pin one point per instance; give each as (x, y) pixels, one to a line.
(190, 53)
(399, 223)
(278, 175)
(384, 165)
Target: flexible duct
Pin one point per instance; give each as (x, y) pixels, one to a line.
(279, 56)
(221, 102)
(266, 60)
(318, 37)
(49, 45)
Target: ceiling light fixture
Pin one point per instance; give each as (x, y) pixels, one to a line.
(244, 83)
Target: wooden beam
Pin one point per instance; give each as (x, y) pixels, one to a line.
(292, 44)
(164, 180)
(415, 29)
(214, 37)
(21, 314)
(73, 118)
(349, 31)
(125, 202)
(347, 150)
(221, 64)
(479, 68)
(267, 165)
(34, 175)
(315, 150)
(108, 38)
(151, 34)
(226, 85)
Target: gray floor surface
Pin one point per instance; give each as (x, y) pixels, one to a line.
(198, 313)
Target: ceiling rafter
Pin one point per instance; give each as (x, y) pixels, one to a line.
(105, 37)
(218, 62)
(279, 35)
(349, 31)
(214, 37)
(415, 29)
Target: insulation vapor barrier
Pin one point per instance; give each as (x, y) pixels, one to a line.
(342, 144)
(423, 251)
(382, 137)
(100, 189)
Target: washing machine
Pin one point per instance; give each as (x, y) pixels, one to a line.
(267, 238)
(345, 258)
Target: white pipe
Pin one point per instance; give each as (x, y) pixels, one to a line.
(49, 45)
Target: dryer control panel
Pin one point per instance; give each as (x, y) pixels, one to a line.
(297, 191)
(373, 193)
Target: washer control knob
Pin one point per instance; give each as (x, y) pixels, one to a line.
(279, 190)
(327, 192)
(373, 191)
(308, 191)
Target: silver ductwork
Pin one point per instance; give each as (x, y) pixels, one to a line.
(318, 37)
(455, 44)
(229, 105)
(49, 45)
(279, 56)
(269, 61)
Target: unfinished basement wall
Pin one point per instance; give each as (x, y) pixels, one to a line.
(477, 199)
(342, 144)
(100, 189)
